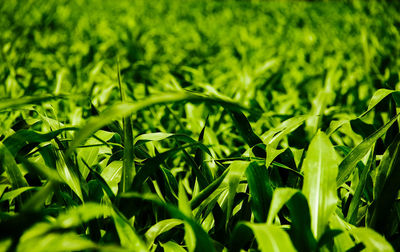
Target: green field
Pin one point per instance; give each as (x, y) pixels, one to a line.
(149, 125)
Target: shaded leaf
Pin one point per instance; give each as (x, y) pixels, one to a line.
(196, 201)
(203, 242)
(247, 133)
(279, 199)
(388, 195)
(15, 193)
(349, 163)
(300, 229)
(8, 164)
(260, 190)
(356, 200)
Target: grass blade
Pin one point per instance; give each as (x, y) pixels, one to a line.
(236, 172)
(152, 164)
(128, 166)
(195, 202)
(21, 138)
(383, 169)
(11, 195)
(68, 241)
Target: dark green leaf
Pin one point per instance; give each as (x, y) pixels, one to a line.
(260, 191)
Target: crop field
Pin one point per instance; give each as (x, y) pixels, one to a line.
(144, 125)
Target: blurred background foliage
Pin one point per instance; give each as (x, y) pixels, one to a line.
(274, 55)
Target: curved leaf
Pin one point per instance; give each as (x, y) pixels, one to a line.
(161, 227)
(172, 247)
(378, 96)
(349, 163)
(123, 109)
(279, 199)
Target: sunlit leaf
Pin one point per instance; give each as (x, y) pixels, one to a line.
(269, 237)
(320, 170)
(371, 239)
(161, 227)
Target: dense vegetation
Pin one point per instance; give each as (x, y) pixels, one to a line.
(199, 125)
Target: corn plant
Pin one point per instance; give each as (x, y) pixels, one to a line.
(199, 126)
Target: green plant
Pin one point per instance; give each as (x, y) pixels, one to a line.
(199, 126)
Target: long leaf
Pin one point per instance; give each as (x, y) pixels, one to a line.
(260, 190)
(356, 200)
(151, 165)
(349, 163)
(320, 170)
(128, 166)
(172, 247)
(70, 175)
(8, 164)
(15, 103)
(24, 137)
(123, 109)
(236, 172)
(387, 197)
(196, 201)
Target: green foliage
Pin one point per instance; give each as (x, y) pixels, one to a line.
(199, 125)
